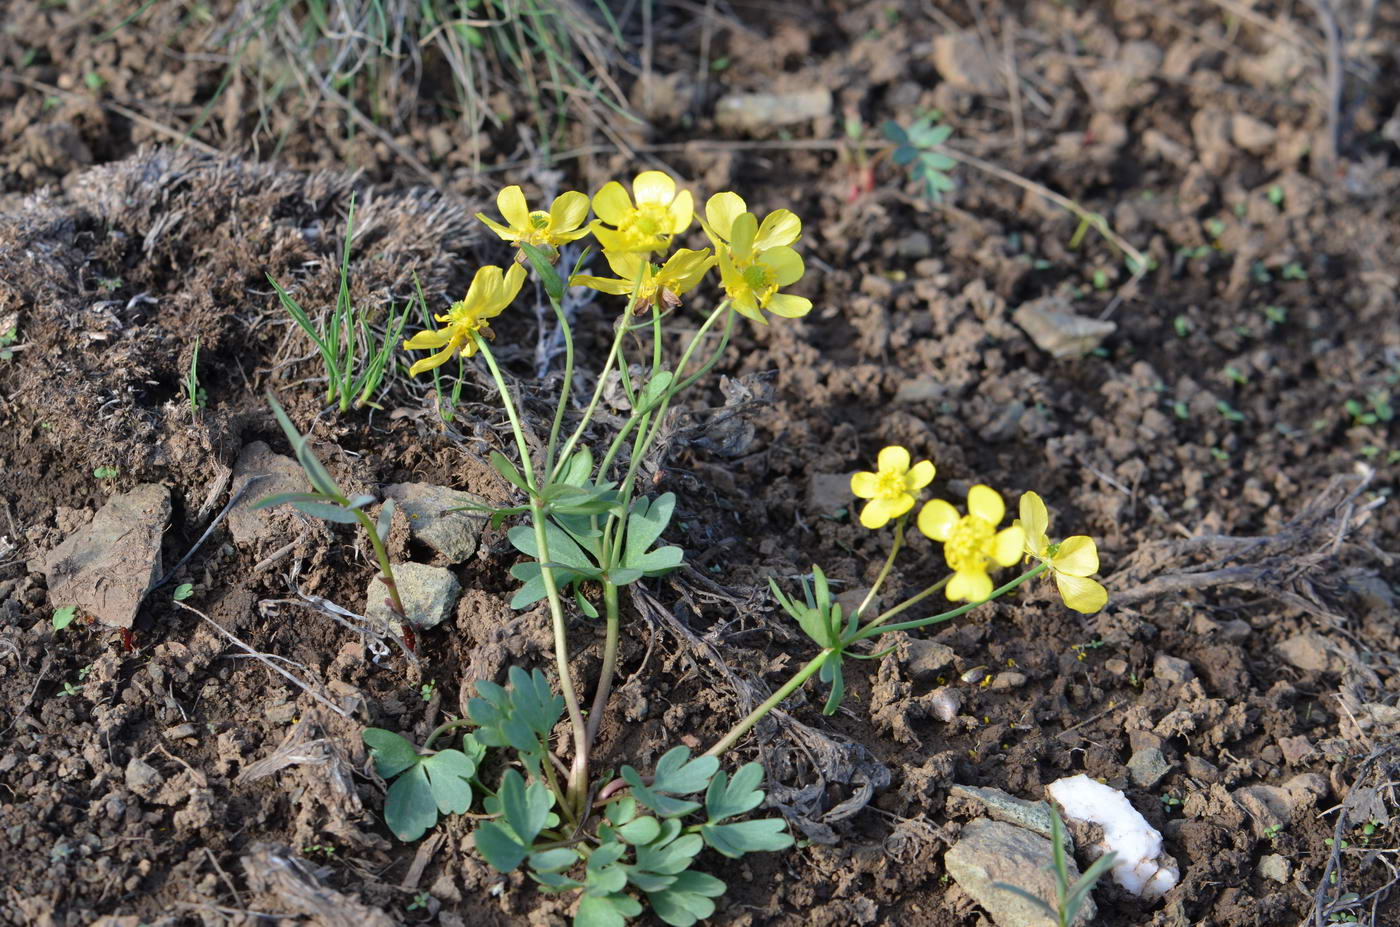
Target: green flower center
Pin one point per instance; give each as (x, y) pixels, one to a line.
(966, 548)
(889, 484)
(539, 220)
(646, 226)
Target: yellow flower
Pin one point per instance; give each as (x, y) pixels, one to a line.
(1073, 560)
(755, 259)
(972, 543)
(659, 213)
(490, 292)
(542, 229)
(891, 490)
(667, 283)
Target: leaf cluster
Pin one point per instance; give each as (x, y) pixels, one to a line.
(642, 840)
(576, 542)
(343, 332)
(820, 619)
(914, 148)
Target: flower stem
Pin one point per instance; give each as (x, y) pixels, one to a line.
(885, 570)
(792, 685)
(871, 630)
(592, 403)
(609, 668)
(385, 567)
(443, 728)
(527, 471)
(563, 389)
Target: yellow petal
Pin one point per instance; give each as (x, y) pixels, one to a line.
(568, 212)
(654, 187)
(435, 360)
(937, 520)
(879, 511)
(864, 484)
(486, 281)
(511, 202)
(1078, 556)
(424, 340)
(785, 263)
(611, 240)
(919, 476)
(1035, 521)
(969, 586)
(789, 306)
(893, 459)
(741, 237)
(1007, 546)
(563, 238)
(1081, 593)
(721, 210)
(686, 268)
(612, 204)
(505, 233)
(985, 503)
(681, 210)
(510, 286)
(626, 264)
(779, 227)
(602, 284)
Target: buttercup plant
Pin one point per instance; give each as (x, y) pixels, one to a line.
(588, 529)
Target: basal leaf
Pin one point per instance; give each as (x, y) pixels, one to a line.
(326, 511)
(499, 848)
(640, 830)
(734, 840)
(729, 797)
(687, 899)
(409, 809)
(392, 753)
(549, 277)
(503, 465)
(556, 860)
(385, 522)
(645, 524)
(448, 772)
(676, 772)
(606, 910)
(286, 498)
(654, 391)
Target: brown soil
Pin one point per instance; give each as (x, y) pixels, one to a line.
(1242, 511)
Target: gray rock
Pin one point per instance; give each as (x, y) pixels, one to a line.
(945, 702)
(1172, 670)
(1008, 680)
(961, 60)
(265, 474)
(1031, 815)
(1275, 867)
(753, 112)
(143, 778)
(1309, 651)
(828, 492)
(920, 389)
(452, 534)
(991, 852)
(924, 659)
(1267, 806)
(1059, 332)
(1148, 766)
(106, 567)
(1304, 791)
(429, 594)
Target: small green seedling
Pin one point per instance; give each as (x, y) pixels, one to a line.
(7, 342)
(327, 502)
(343, 333)
(1275, 195)
(915, 149)
(104, 472)
(1230, 413)
(1069, 896)
(1276, 315)
(194, 393)
(63, 617)
(1182, 326)
(427, 689)
(183, 592)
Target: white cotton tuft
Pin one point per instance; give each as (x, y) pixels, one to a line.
(1141, 867)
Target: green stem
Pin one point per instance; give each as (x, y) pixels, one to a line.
(592, 403)
(609, 668)
(509, 404)
(789, 687)
(563, 389)
(871, 630)
(578, 774)
(909, 602)
(713, 358)
(885, 570)
(382, 555)
(443, 728)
